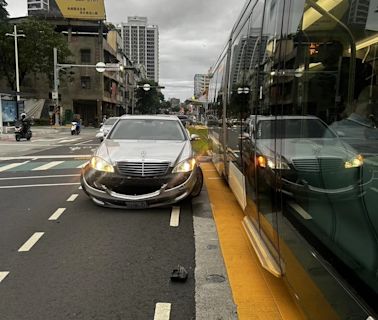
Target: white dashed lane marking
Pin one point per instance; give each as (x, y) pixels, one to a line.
(302, 212)
(162, 311)
(48, 166)
(3, 275)
(57, 214)
(72, 197)
(31, 242)
(175, 217)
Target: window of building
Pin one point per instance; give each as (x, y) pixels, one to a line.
(85, 82)
(85, 55)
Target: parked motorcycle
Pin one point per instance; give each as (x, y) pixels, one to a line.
(22, 131)
(75, 128)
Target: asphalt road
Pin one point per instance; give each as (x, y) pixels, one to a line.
(63, 257)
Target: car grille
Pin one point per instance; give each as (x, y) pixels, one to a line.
(318, 164)
(143, 169)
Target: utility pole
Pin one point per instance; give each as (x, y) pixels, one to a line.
(15, 35)
(55, 94)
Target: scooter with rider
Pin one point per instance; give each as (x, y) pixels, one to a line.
(22, 128)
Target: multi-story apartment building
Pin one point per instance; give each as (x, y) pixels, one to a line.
(38, 6)
(358, 13)
(141, 44)
(84, 91)
(201, 84)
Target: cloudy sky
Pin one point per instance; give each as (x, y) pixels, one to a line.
(192, 34)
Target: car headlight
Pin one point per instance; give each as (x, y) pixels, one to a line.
(101, 165)
(185, 166)
(356, 162)
(272, 163)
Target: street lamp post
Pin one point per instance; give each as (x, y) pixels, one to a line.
(15, 35)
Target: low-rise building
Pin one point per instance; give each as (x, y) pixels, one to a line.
(82, 90)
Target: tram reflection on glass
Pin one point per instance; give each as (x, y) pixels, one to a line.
(295, 95)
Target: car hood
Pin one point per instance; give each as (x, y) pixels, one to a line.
(143, 150)
(305, 148)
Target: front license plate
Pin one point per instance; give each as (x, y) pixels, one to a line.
(136, 205)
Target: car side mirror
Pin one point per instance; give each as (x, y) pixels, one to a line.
(194, 137)
(100, 135)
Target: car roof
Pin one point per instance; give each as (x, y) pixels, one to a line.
(150, 117)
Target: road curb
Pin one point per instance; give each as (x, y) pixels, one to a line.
(213, 294)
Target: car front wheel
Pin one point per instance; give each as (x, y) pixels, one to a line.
(198, 186)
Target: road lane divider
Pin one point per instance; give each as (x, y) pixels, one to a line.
(162, 311)
(3, 275)
(76, 156)
(41, 185)
(48, 166)
(41, 177)
(69, 140)
(83, 142)
(12, 165)
(175, 217)
(31, 242)
(72, 197)
(57, 214)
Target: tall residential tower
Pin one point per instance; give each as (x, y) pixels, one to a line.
(141, 44)
(201, 84)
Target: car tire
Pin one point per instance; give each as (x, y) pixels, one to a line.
(18, 138)
(199, 183)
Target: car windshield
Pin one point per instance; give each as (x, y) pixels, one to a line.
(147, 129)
(293, 128)
(110, 121)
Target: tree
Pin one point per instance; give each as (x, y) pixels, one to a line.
(3, 11)
(35, 50)
(148, 102)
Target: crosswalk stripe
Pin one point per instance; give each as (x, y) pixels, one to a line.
(48, 165)
(12, 165)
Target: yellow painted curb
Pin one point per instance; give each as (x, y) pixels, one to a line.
(257, 293)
